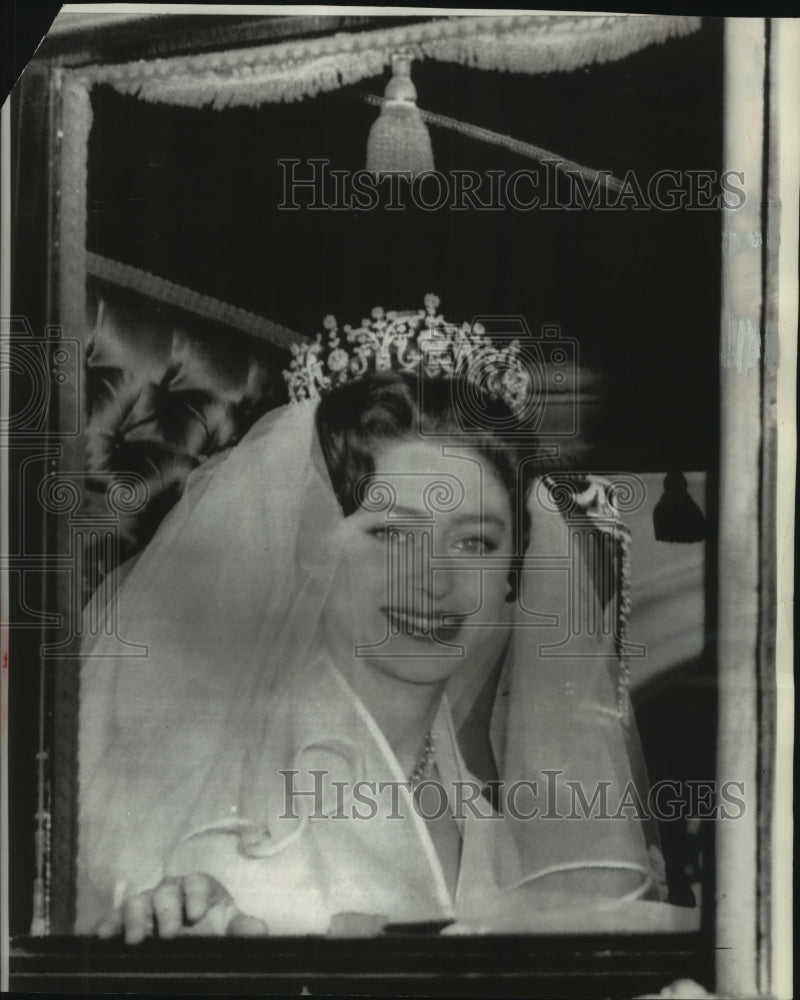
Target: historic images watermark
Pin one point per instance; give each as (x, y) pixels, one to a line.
(553, 796)
(312, 185)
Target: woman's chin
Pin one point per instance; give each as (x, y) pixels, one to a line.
(418, 663)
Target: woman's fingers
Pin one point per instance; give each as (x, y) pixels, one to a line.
(137, 918)
(110, 925)
(243, 926)
(197, 900)
(209, 907)
(168, 908)
(200, 892)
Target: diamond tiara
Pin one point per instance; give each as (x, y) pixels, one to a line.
(418, 341)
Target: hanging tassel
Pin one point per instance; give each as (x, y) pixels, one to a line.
(399, 141)
(676, 517)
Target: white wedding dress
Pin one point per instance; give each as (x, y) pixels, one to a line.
(181, 751)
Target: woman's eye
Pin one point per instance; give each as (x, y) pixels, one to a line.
(475, 545)
(383, 534)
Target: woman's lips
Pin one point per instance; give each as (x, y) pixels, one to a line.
(425, 627)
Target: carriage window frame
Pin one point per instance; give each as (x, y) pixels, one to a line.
(54, 88)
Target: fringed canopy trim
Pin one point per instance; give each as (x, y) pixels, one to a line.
(292, 71)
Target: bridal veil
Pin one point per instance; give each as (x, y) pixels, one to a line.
(228, 598)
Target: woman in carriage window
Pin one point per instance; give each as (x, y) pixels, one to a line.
(365, 699)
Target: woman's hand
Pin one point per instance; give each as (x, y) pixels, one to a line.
(195, 904)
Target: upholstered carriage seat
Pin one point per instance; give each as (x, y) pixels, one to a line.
(164, 391)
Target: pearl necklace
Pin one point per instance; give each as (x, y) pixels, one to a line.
(423, 768)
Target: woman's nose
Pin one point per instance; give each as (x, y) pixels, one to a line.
(417, 572)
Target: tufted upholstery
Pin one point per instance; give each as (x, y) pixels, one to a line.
(164, 390)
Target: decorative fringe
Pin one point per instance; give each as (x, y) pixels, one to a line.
(125, 276)
(602, 502)
(292, 71)
(623, 619)
(561, 43)
(398, 141)
(597, 501)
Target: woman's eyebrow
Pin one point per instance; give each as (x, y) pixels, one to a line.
(495, 519)
(423, 514)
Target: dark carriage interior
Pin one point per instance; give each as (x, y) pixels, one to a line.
(192, 196)
(198, 196)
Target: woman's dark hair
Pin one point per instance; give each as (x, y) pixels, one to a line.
(356, 419)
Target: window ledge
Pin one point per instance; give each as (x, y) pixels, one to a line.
(552, 966)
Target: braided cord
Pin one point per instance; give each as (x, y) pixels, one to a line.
(526, 149)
